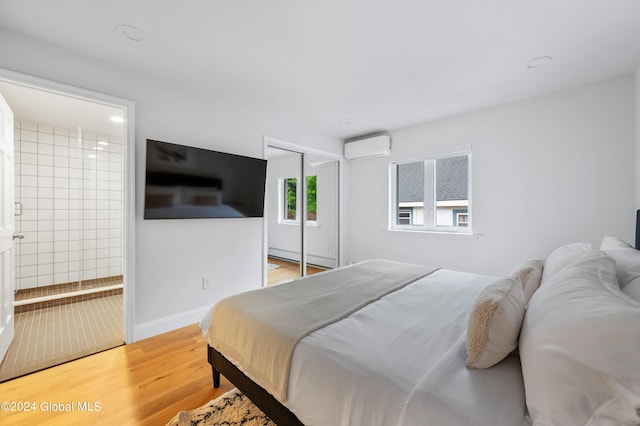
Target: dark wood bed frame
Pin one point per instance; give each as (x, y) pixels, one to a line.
(273, 408)
(260, 397)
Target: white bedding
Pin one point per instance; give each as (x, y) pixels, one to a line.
(401, 361)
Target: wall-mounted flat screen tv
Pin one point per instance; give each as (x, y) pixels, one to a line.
(184, 182)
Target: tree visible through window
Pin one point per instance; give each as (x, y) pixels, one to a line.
(291, 198)
(433, 194)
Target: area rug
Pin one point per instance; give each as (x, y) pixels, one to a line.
(230, 409)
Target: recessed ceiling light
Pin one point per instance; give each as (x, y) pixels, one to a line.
(103, 143)
(345, 121)
(117, 119)
(132, 33)
(539, 61)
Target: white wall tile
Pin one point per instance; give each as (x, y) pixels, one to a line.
(29, 260)
(28, 169)
(61, 162)
(44, 181)
(28, 158)
(45, 171)
(61, 278)
(45, 138)
(45, 247)
(61, 257)
(45, 258)
(45, 236)
(27, 180)
(60, 235)
(60, 246)
(45, 160)
(41, 214)
(44, 280)
(45, 269)
(45, 149)
(60, 182)
(28, 135)
(28, 247)
(45, 203)
(79, 200)
(44, 128)
(30, 147)
(28, 227)
(60, 267)
(28, 271)
(61, 214)
(29, 282)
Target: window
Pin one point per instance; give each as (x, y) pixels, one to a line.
(290, 199)
(432, 194)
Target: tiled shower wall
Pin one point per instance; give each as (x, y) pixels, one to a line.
(70, 186)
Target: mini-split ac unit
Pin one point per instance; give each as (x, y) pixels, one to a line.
(375, 146)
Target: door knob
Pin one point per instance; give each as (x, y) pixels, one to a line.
(18, 236)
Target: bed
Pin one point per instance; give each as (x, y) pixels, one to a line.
(556, 342)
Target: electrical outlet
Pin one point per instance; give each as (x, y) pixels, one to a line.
(206, 284)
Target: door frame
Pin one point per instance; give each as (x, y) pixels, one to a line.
(269, 141)
(128, 107)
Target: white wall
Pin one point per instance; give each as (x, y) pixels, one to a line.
(284, 238)
(172, 256)
(546, 171)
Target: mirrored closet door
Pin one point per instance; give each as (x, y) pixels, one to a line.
(302, 214)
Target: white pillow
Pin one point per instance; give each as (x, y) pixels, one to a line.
(580, 348)
(530, 274)
(627, 259)
(633, 290)
(563, 257)
(494, 323)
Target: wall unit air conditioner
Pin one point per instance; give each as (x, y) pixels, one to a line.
(375, 146)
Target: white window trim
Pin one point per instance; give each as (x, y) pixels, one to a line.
(429, 226)
(282, 204)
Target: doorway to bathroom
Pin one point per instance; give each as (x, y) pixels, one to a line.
(69, 218)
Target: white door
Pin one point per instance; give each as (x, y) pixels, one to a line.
(6, 227)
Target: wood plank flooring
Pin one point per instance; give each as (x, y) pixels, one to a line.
(144, 383)
(287, 271)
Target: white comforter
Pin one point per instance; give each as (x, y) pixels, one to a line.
(401, 361)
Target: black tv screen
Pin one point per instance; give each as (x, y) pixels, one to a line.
(184, 182)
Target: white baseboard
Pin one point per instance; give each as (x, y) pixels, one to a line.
(326, 262)
(172, 322)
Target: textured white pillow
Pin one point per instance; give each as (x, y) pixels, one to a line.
(494, 323)
(627, 259)
(580, 348)
(563, 257)
(530, 274)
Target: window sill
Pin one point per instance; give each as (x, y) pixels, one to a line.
(444, 234)
(296, 223)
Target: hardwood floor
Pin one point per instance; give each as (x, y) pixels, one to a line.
(144, 383)
(287, 271)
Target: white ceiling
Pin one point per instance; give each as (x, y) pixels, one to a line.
(43, 107)
(380, 64)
